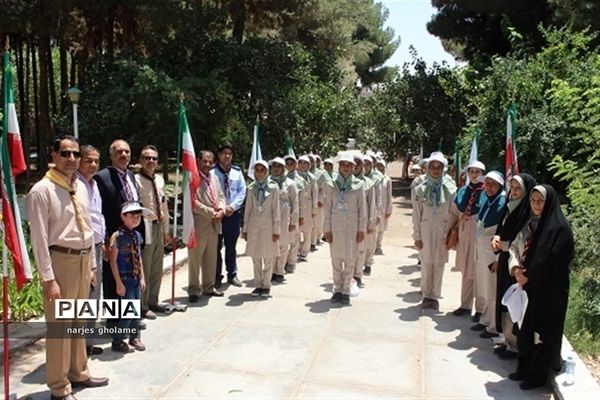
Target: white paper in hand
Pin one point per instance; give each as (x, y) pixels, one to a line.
(516, 300)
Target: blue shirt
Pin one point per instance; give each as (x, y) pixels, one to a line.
(123, 241)
(233, 185)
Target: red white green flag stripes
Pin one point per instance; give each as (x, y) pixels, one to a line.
(191, 177)
(511, 162)
(11, 147)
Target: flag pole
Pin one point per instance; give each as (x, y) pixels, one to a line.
(176, 307)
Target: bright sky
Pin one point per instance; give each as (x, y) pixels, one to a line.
(409, 18)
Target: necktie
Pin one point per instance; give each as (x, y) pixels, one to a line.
(60, 181)
(126, 188)
(210, 189)
(226, 186)
(469, 209)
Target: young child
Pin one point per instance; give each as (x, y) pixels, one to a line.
(262, 227)
(126, 265)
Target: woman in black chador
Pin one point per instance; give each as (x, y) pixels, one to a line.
(539, 259)
(516, 215)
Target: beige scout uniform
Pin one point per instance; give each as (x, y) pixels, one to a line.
(387, 207)
(344, 216)
(289, 207)
(204, 255)
(261, 222)
(431, 228)
(152, 197)
(308, 205)
(295, 239)
(465, 257)
(317, 232)
(371, 244)
(54, 228)
(486, 280)
(371, 207)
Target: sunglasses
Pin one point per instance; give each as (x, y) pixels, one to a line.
(150, 158)
(68, 153)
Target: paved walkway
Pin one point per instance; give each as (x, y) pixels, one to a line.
(296, 345)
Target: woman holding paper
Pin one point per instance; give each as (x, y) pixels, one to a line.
(539, 260)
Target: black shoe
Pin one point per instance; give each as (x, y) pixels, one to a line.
(93, 350)
(265, 293)
(476, 317)
(345, 300)
(313, 247)
(507, 355)
(91, 382)
(193, 298)
(435, 305)
(367, 270)
(302, 259)
(218, 284)
(142, 325)
(359, 282)
(336, 298)
(478, 327)
(234, 281)
(488, 335)
(499, 348)
(528, 385)
(378, 251)
(214, 293)
(459, 312)
(289, 268)
(277, 278)
(256, 292)
(516, 376)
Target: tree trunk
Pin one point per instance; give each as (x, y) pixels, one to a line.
(164, 160)
(238, 14)
(73, 79)
(51, 81)
(44, 110)
(36, 110)
(64, 75)
(23, 107)
(407, 159)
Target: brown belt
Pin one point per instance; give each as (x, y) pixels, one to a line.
(73, 252)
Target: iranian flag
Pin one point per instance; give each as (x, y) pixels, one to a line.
(11, 149)
(191, 178)
(511, 162)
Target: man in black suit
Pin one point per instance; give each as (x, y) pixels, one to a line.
(117, 186)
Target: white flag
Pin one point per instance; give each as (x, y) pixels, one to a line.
(256, 153)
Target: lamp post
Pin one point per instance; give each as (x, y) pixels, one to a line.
(73, 94)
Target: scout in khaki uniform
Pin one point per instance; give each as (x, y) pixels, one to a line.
(371, 240)
(292, 173)
(371, 217)
(62, 242)
(288, 204)
(262, 225)
(386, 205)
(151, 187)
(308, 205)
(464, 212)
(345, 223)
(433, 198)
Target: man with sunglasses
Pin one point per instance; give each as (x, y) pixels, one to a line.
(151, 187)
(62, 241)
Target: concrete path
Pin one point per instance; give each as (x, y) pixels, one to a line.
(297, 345)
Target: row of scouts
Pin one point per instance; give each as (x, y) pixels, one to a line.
(521, 238)
(288, 209)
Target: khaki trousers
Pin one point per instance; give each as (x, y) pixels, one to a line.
(371, 243)
(203, 256)
(95, 293)
(379, 239)
(282, 259)
(317, 230)
(342, 274)
(467, 294)
(152, 258)
(292, 258)
(431, 280)
(263, 270)
(507, 330)
(359, 262)
(66, 359)
(306, 229)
